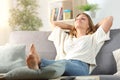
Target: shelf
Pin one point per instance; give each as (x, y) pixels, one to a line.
(56, 8)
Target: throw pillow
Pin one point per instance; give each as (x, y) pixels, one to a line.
(11, 56)
(116, 55)
(51, 71)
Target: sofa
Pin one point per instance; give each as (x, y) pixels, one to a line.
(106, 64)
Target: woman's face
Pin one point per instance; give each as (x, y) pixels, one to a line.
(81, 22)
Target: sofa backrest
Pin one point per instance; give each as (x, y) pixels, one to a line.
(44, 47)
(105, 61)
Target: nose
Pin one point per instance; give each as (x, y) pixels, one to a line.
(78, 20)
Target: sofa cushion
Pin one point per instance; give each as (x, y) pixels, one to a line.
(11, 56)
(51, 71)
(105, 61)
(116, 55)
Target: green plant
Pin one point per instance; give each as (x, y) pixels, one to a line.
(88, 7)
(25, 16)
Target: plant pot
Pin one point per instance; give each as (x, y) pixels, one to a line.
(90, 13)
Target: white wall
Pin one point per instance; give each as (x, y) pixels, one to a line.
(44, 10)
(107, 8)
(4, 27)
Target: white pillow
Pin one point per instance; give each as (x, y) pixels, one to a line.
(116, 55)
(11, 56)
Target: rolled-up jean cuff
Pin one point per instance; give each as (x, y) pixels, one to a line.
(42, 63)
(45, 62)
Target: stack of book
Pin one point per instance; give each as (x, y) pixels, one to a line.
(56, 14)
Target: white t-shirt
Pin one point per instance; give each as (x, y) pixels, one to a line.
(84, 48)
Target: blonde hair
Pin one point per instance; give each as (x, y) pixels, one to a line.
(91, 28)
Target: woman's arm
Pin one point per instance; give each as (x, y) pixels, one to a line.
(62, 25)
(106, 23)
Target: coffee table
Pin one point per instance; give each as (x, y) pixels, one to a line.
(78, 78)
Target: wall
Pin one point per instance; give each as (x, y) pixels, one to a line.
(108, 7)
(4, 15)
(44, 10)
(5, 30)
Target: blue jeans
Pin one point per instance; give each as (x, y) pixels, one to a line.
(72, 68)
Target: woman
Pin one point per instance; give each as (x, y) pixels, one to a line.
(78, 48)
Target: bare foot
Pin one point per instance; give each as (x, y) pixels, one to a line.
(33, 58)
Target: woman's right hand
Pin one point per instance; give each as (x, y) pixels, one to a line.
(53, 23)
(62, 25)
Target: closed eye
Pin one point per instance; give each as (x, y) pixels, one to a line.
(83, 18)
(80, 19)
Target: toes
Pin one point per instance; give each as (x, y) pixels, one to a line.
(32, 48)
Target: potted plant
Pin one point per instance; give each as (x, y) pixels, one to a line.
(24, 16)
(88, 8)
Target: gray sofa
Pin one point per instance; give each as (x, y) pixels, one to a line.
(106, 65)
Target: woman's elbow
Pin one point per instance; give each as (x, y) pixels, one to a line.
(110, 18)
(109, 21)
